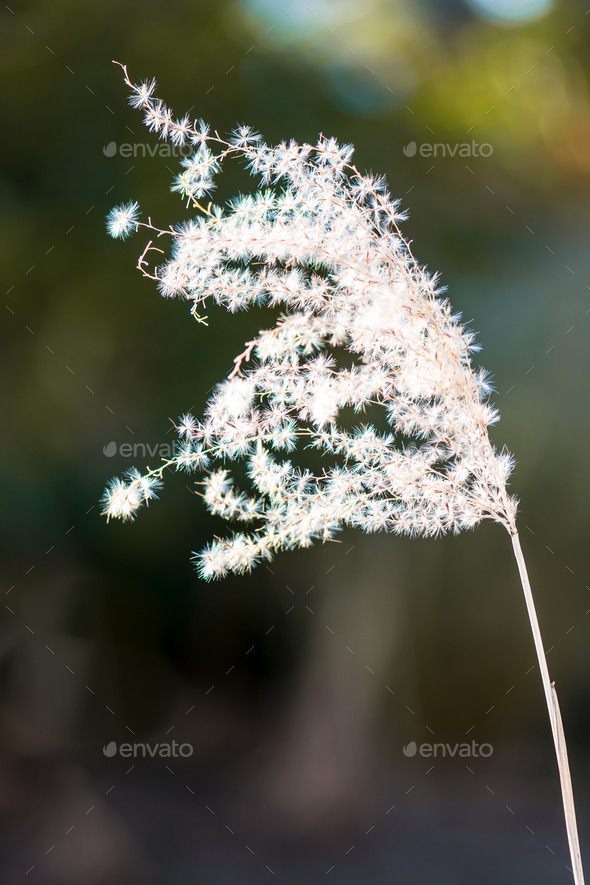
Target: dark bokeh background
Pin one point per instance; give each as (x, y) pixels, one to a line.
(299, 685)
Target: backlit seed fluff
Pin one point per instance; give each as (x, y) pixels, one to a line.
(122, 220)
(322, 241)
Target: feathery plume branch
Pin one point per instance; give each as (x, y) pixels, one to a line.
(321, 240)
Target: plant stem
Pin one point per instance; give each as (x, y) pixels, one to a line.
(554, 718)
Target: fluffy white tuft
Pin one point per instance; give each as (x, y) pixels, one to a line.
(322, 241)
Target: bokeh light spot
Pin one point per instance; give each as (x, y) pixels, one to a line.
(511, 10)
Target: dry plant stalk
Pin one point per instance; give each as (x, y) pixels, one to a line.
(325, 245)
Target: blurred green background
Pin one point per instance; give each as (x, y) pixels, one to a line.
(299, 685)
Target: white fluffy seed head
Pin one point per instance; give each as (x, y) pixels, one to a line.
(122, 220)
(323, 243)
